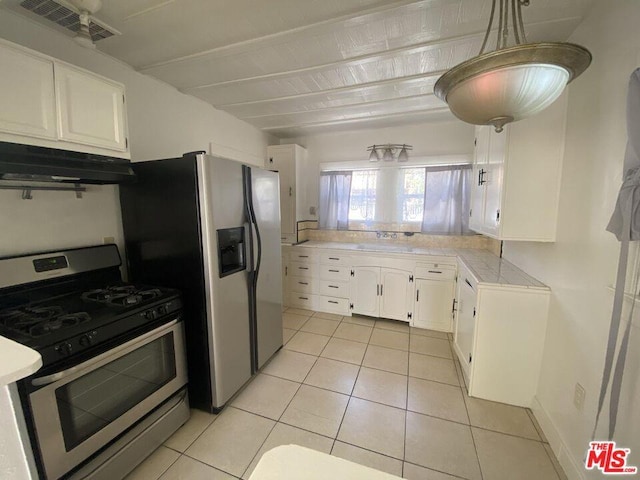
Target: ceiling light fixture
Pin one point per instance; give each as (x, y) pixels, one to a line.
(389, 152)
(510, 83)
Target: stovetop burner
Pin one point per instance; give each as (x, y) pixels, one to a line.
(41, 320)
(122, 295)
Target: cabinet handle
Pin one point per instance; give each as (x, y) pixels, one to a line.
(497, 216)
(481, 180)
(377, 290)
(417, 295)
(286, 271)
(468, 283)
(290, 191)
(303, 256)
(334, 258)
(333, 286)
(334, 271)
(332, 301)
(303, 298)
(380, 290)
(303, 283)
(435, 271)
(303, 268)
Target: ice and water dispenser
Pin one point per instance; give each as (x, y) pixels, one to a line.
(231, 251)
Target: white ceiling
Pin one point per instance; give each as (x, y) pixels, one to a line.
(297, 67)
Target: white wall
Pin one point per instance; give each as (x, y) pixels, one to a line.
(581, 265)
(162, 123)
(428, 139)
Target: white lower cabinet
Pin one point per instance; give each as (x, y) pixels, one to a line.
(466, 299)
(365, 291)
(499, 339)
(382, 292)
(435, 288)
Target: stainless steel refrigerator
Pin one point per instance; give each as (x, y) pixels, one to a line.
(210, 227)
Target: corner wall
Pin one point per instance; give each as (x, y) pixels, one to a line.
(581, 265)
(162, 123)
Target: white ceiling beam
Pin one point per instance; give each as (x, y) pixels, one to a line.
(305, 29)
(336, 107)
(355, 120)
(361, 86)
(414, 48)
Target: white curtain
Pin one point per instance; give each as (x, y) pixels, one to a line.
(447, 200)
(335, 190)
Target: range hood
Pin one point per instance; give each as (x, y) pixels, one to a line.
(30, 163)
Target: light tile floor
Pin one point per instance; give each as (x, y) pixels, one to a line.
(375, 392)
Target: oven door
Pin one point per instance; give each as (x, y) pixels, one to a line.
(78, 411)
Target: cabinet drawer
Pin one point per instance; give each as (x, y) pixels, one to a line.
(334, 272)
(435, 271)
(303, 284)
(334, 288)
(334, 259)
(303, 300)
(303, 257)
(333, 305)
(297, 269)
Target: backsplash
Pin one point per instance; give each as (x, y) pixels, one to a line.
(417, 239)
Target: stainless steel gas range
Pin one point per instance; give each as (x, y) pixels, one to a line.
(113, 383)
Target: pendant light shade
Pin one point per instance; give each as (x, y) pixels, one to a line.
(388, 155)
(374, 157)
(403, 156)
(510, 83)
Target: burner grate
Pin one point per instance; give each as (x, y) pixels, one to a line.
(124, 295)
(38, 321)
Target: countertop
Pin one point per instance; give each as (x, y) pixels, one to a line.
(487, 268)
(16, 361)
(293, 462)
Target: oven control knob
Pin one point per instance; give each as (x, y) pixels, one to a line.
(65, 349)
(86, 340)
(162, 310)
(151, 315)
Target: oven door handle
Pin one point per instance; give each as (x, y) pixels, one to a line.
(54, 377)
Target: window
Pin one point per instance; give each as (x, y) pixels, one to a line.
(362, 200)
(414, 199)
(411, 195)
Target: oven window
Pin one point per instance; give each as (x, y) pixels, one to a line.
(91, 402)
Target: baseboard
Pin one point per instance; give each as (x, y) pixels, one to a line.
(573, 470)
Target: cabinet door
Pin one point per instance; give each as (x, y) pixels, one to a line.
(465, 323)
(434, 303)
(26, 94)
(480, 160)
(395, 294)
(493, 181)
(283, 162)
(365, 290)
(90, 109)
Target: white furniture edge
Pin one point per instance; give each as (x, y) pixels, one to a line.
(293, 462)
(17, 361)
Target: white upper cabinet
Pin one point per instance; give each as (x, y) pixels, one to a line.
(26, 94)
(516, 177)
(90, 109)
(48, 103)
(283, 161)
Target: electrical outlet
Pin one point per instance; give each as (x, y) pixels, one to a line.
(107, 240)
(578, 397)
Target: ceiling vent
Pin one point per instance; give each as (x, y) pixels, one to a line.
(67, 17)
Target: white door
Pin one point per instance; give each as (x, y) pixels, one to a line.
(90, 109)
(395, 294)
(480, 159)
(434, 303)
(493, 185)
(365, 290)
(465, 325)
(283, 161)
(26, 94)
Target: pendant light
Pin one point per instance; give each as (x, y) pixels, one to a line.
(374, 157)
(510, 83)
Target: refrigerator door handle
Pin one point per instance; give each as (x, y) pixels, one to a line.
(249, 242)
